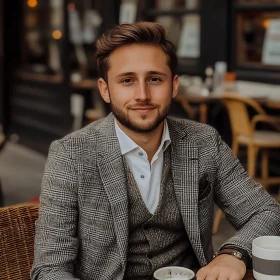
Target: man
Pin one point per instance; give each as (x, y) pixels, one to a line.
(135, 191)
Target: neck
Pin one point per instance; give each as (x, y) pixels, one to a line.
(149, 141)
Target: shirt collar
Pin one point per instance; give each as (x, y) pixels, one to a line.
(127, 144)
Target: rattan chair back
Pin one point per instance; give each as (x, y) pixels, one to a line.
(17, 230)
(238, 113)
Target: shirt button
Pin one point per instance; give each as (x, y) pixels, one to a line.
(142, 176)
(140, 154)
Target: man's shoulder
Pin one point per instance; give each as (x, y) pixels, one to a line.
(84, 138)
(193, 130)
(84, 134)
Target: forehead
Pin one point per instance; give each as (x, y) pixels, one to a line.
(138, 58)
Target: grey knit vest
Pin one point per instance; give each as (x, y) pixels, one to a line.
(159, 239)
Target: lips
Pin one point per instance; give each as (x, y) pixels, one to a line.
(142, 107)
(143, 110)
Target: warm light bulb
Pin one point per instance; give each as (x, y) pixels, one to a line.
(32, 3)
(266, 23)
(57, 34)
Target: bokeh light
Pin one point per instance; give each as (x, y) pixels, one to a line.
(32, 3)
(57, 34)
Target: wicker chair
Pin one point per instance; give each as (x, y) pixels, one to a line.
(17, 230)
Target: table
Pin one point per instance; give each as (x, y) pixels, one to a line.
(203, 101)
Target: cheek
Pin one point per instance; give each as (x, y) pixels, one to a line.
(162, 94)
(119, 98)
(121, 94)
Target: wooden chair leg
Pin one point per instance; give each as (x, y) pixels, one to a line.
(251, 161)
(203, 113)
(235, 147)
(264, 170)
(217, 220)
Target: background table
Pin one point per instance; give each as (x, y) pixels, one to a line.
(203, 101)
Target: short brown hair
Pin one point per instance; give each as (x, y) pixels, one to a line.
(139, 33)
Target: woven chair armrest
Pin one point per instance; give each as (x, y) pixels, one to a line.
(17, 231)
(273, 121)
(24, 204)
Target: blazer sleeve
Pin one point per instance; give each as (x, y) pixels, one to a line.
(56, 244)
(247, 205)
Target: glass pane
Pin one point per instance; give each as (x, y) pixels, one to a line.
(173, 4)
(128, 11)
(84, 28)
(42, 33)
(255, 42)
(184, 33)
(259, 1)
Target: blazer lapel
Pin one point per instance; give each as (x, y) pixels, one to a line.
(185, 168)
(113, 178)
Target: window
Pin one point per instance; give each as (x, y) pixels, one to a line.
(252, 37)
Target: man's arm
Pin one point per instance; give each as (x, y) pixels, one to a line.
(56, 244)
(248, 207)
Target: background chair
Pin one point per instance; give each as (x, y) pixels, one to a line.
(17, 230)
(191, 111)
(244, 133)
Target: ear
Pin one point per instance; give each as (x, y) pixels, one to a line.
(175, 86)
(104, 90)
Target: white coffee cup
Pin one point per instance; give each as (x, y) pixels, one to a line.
(174, 273)
(266, 258)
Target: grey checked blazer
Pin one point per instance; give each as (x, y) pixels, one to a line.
(82, 230)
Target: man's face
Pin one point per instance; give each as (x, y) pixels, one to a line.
(140, 87)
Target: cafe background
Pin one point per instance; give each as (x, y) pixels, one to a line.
(48, 70)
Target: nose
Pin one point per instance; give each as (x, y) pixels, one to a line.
(142, 92)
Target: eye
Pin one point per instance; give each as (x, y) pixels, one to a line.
(127, 81)
(155, 80)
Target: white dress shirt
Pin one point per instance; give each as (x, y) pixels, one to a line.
(147, 176)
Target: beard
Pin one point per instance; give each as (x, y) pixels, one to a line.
(126, 121)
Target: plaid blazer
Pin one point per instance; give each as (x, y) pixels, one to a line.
(82, 230)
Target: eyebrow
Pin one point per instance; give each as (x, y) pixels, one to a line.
(157, 73)
(126, 74)
(149, 73)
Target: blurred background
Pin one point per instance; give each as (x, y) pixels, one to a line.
(48, 77)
